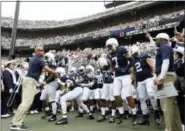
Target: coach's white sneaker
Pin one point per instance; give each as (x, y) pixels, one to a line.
(18, 128)
(32, 112)
(5, 115)
(36, 112)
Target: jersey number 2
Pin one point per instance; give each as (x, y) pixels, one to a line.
(138, 67)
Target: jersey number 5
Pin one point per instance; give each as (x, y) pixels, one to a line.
(138, 67)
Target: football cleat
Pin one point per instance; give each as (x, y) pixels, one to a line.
(47, 115)
(120, 118)
(101, 119)
(145, 120)
(52, 118)
(79, 115)
(91, 117)
(62, 121)
(112, 120)
(134, 120)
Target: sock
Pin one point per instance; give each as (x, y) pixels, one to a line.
(134, 111)
(64, 116)
(91, 108)
(107, 109)
(121, 110)
(85, 108)
(103, 111)
(113, 112)
(54, 108)
(144, 107)
(80, 110)
(63, 106)
(47, 108)
(72, 108)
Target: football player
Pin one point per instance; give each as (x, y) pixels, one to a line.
(75, 92)
(89, 87)
(122, 82)
(106, 92)
(143, 71)
(51, 89)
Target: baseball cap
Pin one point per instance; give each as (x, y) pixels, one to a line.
(162, 36)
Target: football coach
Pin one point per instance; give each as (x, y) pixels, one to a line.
(36, 65)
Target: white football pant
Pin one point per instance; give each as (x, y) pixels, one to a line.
(76, 93)
(122, 85)
(146, 90)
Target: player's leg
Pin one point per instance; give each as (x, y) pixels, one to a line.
(71, 95)
(83, 107)
(45, 103)
(142, 93)
(91, 100)
(51, 91)
(113, 104)
(103, 101)
(153, 100)
(117, 95)
(127, 87)
(86, 94)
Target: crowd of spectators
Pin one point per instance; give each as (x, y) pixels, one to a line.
(80, 56)
(67, 39)
(8, 22)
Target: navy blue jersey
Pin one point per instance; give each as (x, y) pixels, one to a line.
(68, 77)
(179, 67)
(88, 79)
(99, 81)
(142, 69)
(120, 63)
(164, 52)
(107, 77)
(107, 72)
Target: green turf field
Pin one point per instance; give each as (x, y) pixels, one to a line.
(78, 124)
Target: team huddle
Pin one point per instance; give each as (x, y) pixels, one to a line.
(111, 86)
(120, 83)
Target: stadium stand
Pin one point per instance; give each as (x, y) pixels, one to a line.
(52, 34)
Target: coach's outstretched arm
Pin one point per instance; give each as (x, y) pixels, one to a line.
(46, 68)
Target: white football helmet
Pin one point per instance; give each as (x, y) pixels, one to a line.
(73, 70)
(112, 44)
(61, 71)
(89, 68)
(104, 55)
(102, 62)
(135, 49)
(49, 56)
(81, 69)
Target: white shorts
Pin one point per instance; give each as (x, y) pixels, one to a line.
(51, 91)
(87, 94)
(97, 94)
(111, 97)
(107, 92)
(59, 93)
(76, 93)
(122, 85)
(145, 89)
(44, 94)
